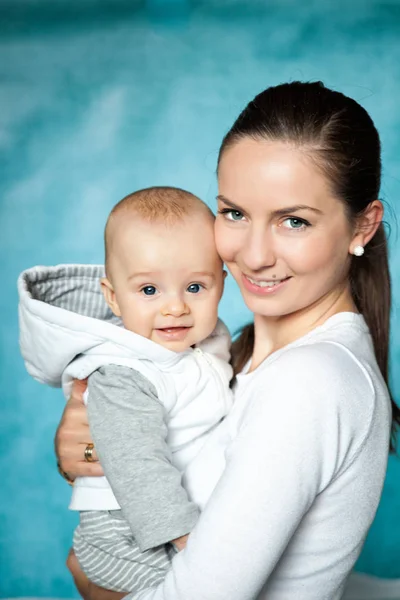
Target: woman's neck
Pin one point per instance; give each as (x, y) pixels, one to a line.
(273, 333)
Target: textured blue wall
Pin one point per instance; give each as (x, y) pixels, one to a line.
(101, 98)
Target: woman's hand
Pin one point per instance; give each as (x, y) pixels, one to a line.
(87, 589)
(73, 436)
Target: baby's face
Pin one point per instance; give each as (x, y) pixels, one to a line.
(167, 280)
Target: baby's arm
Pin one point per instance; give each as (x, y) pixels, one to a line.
(127, 422)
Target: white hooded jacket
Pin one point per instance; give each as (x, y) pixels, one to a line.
(67, 332)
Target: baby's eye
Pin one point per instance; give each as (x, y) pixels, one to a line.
(149, 290)
(194, 288)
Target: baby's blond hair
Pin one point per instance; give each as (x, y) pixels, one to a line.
(166, 204)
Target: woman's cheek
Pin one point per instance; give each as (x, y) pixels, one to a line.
(310, 258)
(301, 252)
(227, 241)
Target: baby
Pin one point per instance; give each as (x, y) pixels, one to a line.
(157, 362)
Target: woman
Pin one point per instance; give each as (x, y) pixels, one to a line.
(304, 449)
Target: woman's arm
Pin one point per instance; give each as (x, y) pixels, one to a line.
(73, 436)
(285, 453)
(265, 490)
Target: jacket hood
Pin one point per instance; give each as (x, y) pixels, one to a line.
(63, 314)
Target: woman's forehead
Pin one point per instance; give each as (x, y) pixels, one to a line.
(270, 175)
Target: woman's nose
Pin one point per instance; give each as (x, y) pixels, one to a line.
(258, 252)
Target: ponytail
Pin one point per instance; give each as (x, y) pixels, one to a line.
(370, 286)
(242, 348)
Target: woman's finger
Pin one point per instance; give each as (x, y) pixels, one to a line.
(81, 469)
(71, 458)
(68, 435)
(73, 437)
(75, 451)
(74, 427)
(78, 389)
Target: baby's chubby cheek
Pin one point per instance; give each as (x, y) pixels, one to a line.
(205, 324)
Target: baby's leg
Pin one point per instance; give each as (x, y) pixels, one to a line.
(110, 557)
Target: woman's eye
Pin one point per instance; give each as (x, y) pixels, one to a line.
(296, 223)
(194, 288)
(236, 215)
(232, 215)
(149, 290)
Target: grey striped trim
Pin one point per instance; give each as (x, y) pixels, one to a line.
(75, 288)
(110, 557)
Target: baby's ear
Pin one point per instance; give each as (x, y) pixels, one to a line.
(224, 274)
(109, 295)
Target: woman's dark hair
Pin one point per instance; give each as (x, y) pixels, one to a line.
(341, 139)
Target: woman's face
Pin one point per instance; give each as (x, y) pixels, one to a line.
(283, 235)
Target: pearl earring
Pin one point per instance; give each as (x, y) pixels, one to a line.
(358, 251)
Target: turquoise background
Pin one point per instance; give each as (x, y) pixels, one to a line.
(99, 98)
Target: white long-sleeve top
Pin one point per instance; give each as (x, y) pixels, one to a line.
(301, 460)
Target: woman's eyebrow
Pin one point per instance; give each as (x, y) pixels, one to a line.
(229, 203)
(275, 213)
(295, 208)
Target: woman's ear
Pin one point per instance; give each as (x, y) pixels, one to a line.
(367, 224)
(109, 295)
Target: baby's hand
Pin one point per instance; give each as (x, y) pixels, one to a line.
(180, 543)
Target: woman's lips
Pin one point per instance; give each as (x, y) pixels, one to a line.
(263, 287)
(173, 333)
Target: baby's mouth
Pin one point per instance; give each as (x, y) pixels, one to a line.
(173, 333)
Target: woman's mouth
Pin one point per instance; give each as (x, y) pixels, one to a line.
(263, 287)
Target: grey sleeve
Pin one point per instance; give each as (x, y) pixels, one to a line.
(127, 423)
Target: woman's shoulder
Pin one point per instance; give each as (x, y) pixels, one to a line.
(339, 352)
(323, 376)
(324, 359)
(330, 376)
(317, 392)
(322, 390)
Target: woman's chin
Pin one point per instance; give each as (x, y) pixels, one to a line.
(265, 308)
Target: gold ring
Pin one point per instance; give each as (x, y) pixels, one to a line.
(88, 454)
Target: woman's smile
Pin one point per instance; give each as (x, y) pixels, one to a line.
(263, 287)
